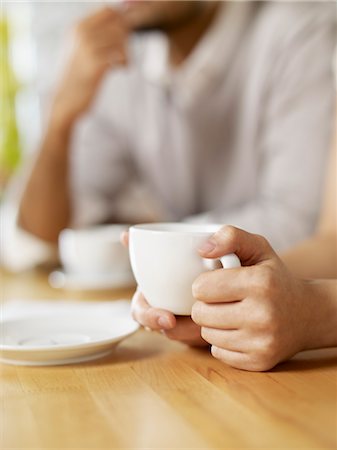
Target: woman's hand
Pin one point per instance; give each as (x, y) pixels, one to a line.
(177, 328)
(254, 316)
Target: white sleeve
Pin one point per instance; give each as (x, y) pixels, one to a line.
(295, 137)
(101, 166)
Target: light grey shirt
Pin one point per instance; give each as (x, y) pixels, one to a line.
(239, 134)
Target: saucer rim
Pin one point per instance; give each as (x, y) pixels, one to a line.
(73, 281)
(59, 348)
(58, 362)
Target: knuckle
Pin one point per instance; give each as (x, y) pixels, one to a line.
(149, 317)
(229, 233)
(266, 281)
(199, 287)
(261, 366)
(215, 351)
(260, 363)
(264, 277)
(139, 313)
(262, 240)
(266, 356)
(269, 346)
(205, 334)
(264, 319)
(197, 312)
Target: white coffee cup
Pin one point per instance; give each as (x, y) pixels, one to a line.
(94, 251)
(165, 262)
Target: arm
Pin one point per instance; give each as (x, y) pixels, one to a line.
(45, 207)
(99, 44)
(317, 257)
(314, 258)
(323, 323)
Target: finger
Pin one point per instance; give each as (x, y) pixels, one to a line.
(109, 54)
(250, 248)
(228, 285)
(156, 319)
(110, 57)
(125, 238)
(227, 339)
(106, 44)
(225, 316)
(234, 359)
(186, 331)
(241, 360)
(109, 34)
(101, 16)
(104, 59)
(114, 41)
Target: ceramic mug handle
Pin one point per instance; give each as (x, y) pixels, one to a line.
(230, 261)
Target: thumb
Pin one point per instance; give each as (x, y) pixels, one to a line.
(250, 248)
(124, 238)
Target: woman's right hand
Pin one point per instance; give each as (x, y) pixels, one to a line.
(176, 328)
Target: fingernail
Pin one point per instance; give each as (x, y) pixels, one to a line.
(208, 246)
(163, 322)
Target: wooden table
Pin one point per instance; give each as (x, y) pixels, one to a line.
(153, 393)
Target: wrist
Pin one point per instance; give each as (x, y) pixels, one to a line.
(57, 137)
(61, 120)
(321, 307)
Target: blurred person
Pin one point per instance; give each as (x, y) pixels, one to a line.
(268, 310)
(204, 111)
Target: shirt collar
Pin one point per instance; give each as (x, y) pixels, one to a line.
(207, 63)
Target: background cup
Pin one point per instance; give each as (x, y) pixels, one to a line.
(94, 251)
(165, 262)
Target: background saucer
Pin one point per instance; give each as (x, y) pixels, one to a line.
(116, 280)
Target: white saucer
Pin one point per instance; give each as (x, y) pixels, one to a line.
(117, 280)
(62, 338)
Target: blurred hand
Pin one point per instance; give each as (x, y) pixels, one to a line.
(99, 44)
(254, 316)
(181, 329)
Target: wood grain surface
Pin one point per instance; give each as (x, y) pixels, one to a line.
(154, 393)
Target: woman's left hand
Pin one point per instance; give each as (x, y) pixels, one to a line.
(254, 316)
